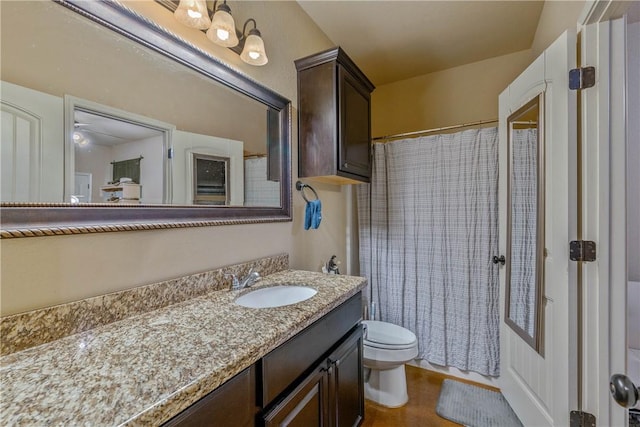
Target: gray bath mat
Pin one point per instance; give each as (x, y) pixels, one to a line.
(474, 406)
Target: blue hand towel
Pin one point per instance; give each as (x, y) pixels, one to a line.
(313, 214)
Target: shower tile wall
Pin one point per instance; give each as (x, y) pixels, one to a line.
(258, 190)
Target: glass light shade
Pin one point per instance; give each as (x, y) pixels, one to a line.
(223, 29)
(79, 139)
(253, 52)
(193, 13)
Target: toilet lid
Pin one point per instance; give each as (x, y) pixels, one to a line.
(385, 335)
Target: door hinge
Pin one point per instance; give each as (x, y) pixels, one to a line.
(582, 78)
(170, 153)
(582, 250)
(581, 419)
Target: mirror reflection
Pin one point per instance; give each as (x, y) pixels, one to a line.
(89, 116)
(525, 245)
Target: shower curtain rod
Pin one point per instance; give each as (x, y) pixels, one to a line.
(525, 122)
(422, 132)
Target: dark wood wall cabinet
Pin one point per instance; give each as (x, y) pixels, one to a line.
(313, 379)
(334, 119)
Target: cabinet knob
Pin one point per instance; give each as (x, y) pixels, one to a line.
(345, 165)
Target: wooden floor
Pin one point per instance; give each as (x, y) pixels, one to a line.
(424, 388)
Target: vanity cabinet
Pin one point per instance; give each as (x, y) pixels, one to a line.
(317, 375)
(334, 119)
(330, 395)
(313, 379)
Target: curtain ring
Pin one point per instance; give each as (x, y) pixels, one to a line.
(300, 187)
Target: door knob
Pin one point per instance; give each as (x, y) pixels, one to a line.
(623, 390)
(500, 260)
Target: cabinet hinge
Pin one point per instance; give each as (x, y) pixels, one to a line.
(582, 250)
(582, 78)
(581, 419)
(170, 153)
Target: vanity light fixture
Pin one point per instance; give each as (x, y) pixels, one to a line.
(221, 28)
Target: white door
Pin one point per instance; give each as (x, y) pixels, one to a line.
(82, 187)
(32, 145)
(610, 116)
(541, 388)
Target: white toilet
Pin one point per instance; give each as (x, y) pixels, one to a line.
(387, 347)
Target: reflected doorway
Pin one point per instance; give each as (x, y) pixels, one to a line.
(82, 188)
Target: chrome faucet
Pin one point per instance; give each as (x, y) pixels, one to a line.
(251, 278)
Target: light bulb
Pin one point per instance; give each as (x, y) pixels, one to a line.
(222, 34)
(194, 14)
(254, 55)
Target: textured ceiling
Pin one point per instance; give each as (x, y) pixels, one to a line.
(394, 40)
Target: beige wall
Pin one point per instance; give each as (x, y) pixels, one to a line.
(556, 17)
(38, 272)
(458, 95)
(467, 93)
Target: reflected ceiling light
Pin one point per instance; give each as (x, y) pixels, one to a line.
(221, 29)
(79, 139)
(193, 13)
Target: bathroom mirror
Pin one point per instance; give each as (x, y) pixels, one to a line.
(525, 223)
(93, 61)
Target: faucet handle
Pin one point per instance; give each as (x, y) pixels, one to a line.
(235, 284)
(251, 277)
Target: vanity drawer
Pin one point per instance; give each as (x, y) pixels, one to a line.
(284, 365)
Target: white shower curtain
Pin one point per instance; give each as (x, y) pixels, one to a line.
(428, 227)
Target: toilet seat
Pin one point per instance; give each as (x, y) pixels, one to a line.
(388, 336)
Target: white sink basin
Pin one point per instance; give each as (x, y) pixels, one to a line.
(275, 296)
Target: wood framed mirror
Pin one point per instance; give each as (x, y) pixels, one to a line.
(70, 33)
(525, 223)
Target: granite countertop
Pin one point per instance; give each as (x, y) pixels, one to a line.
(145, 369)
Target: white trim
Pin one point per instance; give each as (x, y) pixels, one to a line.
(602, 10)
(604, 216)
(618, 224)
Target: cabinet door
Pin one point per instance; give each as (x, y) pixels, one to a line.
(346, 382)
(306, 406)
(317, 126)
(355, 128)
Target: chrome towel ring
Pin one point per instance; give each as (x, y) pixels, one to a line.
(300, 186)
